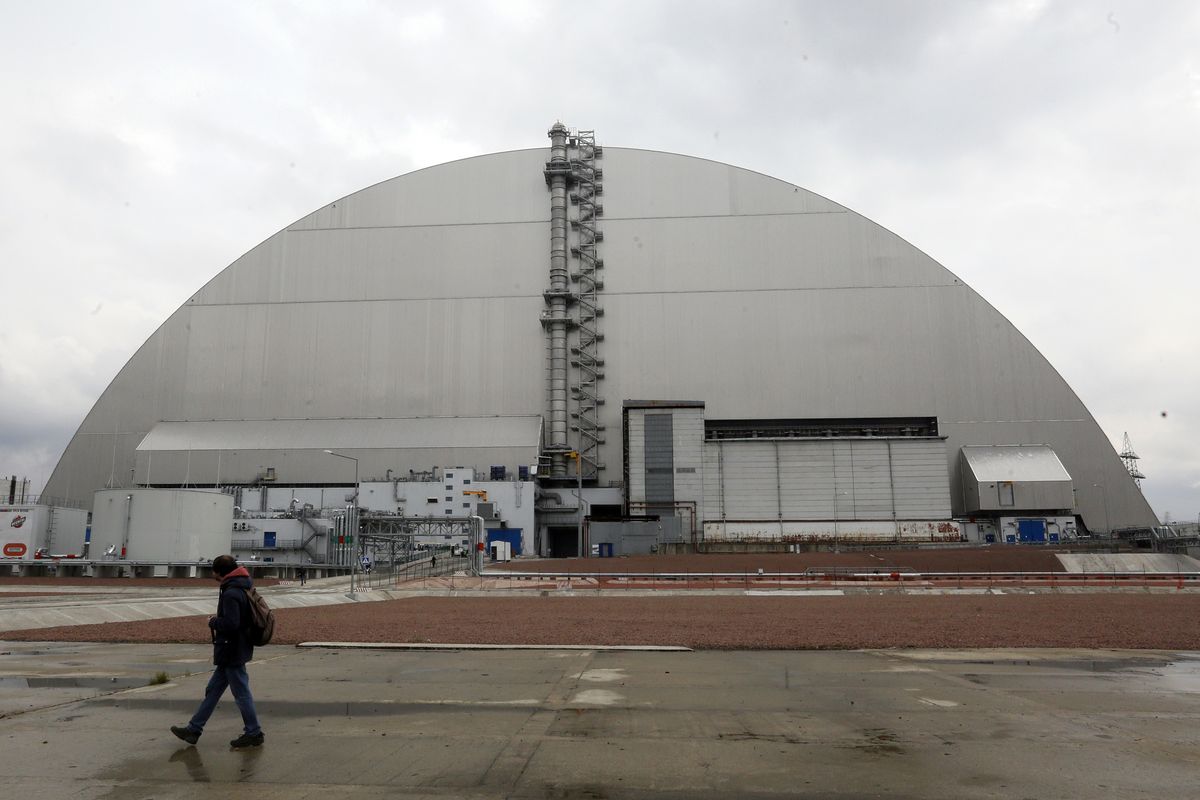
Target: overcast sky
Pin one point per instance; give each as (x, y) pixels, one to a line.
(1046, 153)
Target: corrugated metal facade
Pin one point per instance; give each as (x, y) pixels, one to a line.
(421, 296)
(826, 480)
(660, 460)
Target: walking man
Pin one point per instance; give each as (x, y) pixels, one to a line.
(232, 648)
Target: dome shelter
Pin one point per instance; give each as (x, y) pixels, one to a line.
(534, 308)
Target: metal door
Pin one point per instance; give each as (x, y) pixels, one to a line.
(1031, 530)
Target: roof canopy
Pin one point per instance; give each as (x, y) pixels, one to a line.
(1017, 462)
(345, 434)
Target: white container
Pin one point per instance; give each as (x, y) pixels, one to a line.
(501, 551)
(160, 525)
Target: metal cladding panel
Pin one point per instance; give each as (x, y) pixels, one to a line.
(750, 479)
(1037, 478)
(161, 524)
(495, 188)
(922, 485)
(827, 479)
(225, 467)
(1014, 463)
(806, 473)
(384, 264)
(713, 504)
(687, 450)
(722, 250)
(351, 434)
(421, 296)
(635, 492)
(655, 185)
(871, 490)
(659, 458)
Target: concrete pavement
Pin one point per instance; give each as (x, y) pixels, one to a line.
(80, 722)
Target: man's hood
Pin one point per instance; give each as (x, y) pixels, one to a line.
(232, 579)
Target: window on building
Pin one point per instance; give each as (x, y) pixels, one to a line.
(1005, 490)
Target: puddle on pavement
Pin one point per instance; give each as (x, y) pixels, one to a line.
(1078, 665)
(1181, 676)
(180, 763)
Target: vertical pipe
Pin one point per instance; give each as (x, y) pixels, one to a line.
(477, 544)
(128, 524)
(721, 486)
(558, 304)
(579, 494)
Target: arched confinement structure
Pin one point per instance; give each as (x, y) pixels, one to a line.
(427, 297)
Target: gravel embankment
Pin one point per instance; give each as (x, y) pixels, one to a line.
(1107, 620)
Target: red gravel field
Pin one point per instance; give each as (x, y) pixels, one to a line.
(1137, 620)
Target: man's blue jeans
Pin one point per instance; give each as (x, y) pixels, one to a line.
(236, 679)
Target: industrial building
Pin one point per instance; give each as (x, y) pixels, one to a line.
(605, 349)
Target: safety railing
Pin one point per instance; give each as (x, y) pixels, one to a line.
(831, 577)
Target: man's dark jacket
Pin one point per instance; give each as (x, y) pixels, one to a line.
(231, 625)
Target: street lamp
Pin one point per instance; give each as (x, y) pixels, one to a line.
(354, 529)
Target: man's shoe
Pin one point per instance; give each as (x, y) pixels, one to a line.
(246, 740)
(187, 734)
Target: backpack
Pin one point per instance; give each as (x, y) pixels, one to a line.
(262, 619)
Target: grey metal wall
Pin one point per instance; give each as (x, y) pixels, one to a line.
(421, 296)
(660, 459)
(636, 537)
(161, 525)
(665, 458)
(826, 479)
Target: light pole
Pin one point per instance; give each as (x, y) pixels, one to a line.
(354, 528)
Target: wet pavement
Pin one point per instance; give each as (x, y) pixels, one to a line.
(81, 721)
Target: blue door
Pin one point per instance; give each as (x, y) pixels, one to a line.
(1031, 530)
(268, 539)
